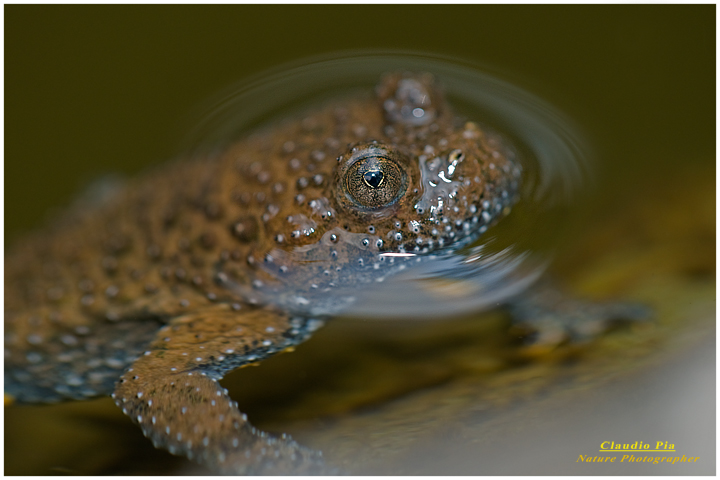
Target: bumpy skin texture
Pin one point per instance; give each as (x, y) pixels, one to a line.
(208, 264)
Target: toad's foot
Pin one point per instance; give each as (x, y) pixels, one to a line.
(549, 318)
(172, 391)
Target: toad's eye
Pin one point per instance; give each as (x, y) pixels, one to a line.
(372, 178)
(375, 181)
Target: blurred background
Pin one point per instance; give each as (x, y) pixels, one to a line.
(93, 90)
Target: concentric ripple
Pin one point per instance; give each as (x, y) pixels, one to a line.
(503, 261)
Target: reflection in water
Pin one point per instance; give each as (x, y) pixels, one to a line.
(499, 265)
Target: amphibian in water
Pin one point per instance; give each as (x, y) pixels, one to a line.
(209, 264)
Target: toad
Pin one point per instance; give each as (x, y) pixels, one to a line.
(205, 265)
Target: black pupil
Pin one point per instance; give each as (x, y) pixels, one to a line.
(373, 178)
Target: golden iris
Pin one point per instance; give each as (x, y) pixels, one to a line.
(375, 181)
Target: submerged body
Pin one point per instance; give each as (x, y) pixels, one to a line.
(205, 265)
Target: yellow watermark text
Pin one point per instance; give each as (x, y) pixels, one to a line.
(633, 453)
(630, 458)
(661, 446)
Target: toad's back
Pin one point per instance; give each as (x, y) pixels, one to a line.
(219, 257)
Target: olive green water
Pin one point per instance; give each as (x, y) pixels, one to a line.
(97, 90)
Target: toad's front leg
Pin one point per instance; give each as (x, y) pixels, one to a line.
(552, 317)
(172, 391)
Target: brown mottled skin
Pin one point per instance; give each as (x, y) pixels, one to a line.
(156, 291)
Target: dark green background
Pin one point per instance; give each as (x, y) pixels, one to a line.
(91, 90)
